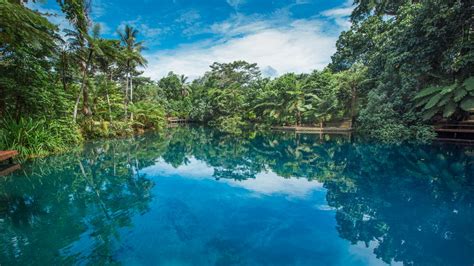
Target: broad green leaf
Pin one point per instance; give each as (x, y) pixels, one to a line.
(449, 109)
(459, 94)
(444, 101)
(427, 115)
(469, 84)
(448, 89)
(433, 101)
(428, 91)
(422, 102)
(467, 104)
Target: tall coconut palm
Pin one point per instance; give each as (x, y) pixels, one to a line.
(184, 86)
(77, 12)
(132, 59)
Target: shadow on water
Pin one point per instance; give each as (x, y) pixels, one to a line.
(409, 203)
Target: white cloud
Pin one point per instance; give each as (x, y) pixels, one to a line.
(340, 15)
(276, 42)
(98, 8)
(144, 29)
(338, 12)
(270, 183)
(194, 169)
(189, 17)
(294, 46)
(235, 3)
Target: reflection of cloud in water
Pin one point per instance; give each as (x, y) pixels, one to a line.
(324, 207)
(194, 169)
(270, 183)
(366, 253)
(264, 184)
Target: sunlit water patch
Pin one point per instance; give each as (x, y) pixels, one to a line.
(194, 196)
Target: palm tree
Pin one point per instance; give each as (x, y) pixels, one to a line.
(132, 59)
(105, 61)
(77, 12)
(296, 101)
(86, 50)
(351, 80)
(184, 87)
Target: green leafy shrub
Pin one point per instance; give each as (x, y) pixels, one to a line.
(379, 121)
(446, 100)
(148, 115)
(92, 129)
(38, 137)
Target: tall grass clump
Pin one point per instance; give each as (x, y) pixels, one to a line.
(38, 137)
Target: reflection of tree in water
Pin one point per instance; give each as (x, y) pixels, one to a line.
(230, 156)
(414, 203)
(60, 200)
(243, 157)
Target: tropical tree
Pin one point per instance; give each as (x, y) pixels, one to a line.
(132, 58)
(77, 12)
(109, 56)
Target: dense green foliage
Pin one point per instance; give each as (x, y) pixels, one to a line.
(408, 46)
(39, 136)
(235, 95)
(56, 89)
(399, 68)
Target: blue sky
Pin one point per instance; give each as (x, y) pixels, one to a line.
(186, 36)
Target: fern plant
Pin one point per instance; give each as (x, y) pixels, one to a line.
(446, 100)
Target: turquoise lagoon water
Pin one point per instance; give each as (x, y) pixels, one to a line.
(194, 196)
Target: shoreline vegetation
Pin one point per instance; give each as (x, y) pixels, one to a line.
(402, 67)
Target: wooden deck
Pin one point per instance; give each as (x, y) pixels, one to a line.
(7, 155)
(334, 130)
(335, 127)
(462, 132)
(176, 120)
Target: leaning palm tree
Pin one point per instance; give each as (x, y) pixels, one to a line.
(77, 12)
(132, 58)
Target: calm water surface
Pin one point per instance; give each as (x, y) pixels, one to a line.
(194, 196)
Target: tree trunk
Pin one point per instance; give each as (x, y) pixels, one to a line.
(108, 98)
(85, 102)
(126, 97)
(353, 104)
(78, 99)
(131, 95)
(298, 118)
(63, 71)
(84, 91)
